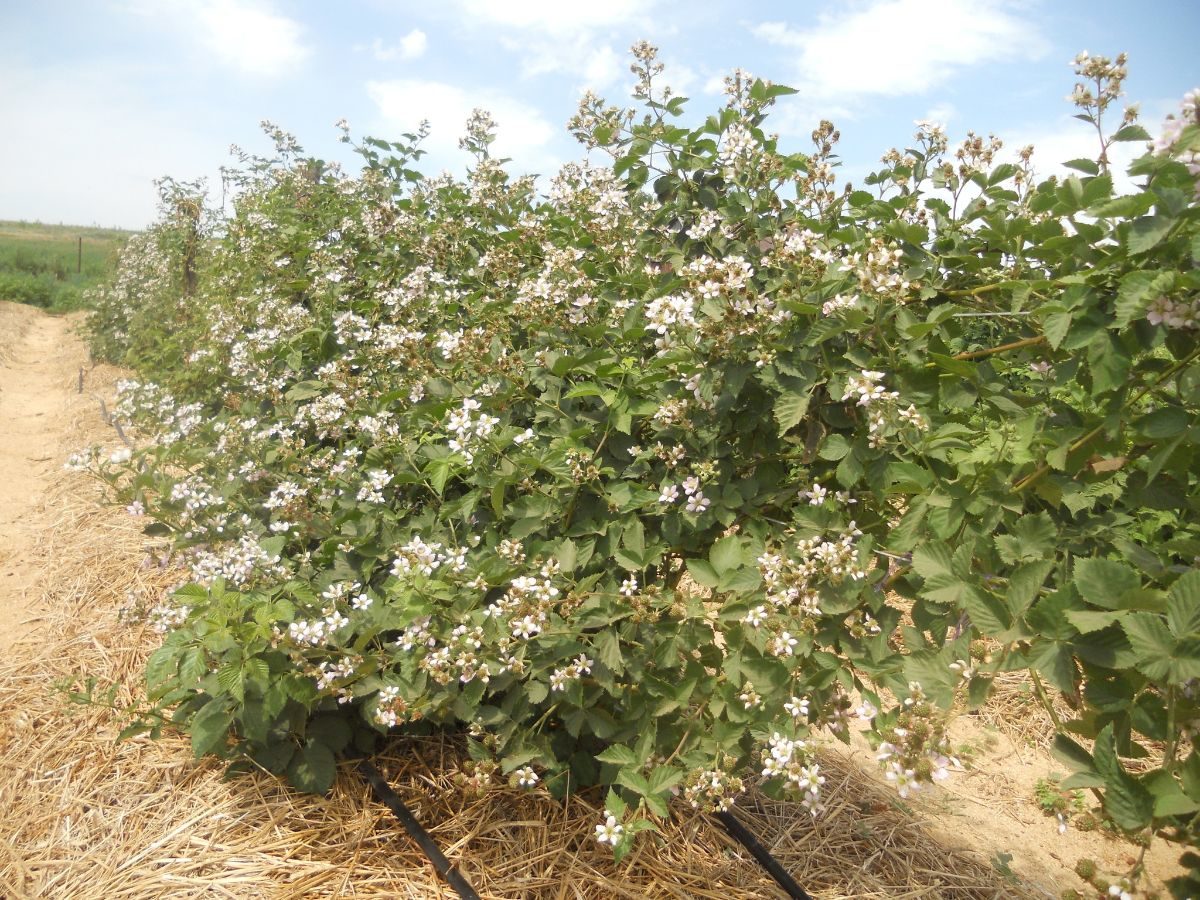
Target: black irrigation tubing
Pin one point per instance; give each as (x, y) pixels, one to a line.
(743, 836)
(389, 798)
(385, 795)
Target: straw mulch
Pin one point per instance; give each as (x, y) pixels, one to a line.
(87, 818)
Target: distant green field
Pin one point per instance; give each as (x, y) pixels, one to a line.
(52, 265)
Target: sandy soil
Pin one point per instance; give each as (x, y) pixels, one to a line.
(39, 364)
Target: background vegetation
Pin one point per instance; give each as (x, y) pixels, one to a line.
(42, 265)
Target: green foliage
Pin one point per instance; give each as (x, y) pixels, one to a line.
(43, 265)
(634, 481)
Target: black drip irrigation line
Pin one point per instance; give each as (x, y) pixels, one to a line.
(385, 795)
(743, 836)
(389, 798)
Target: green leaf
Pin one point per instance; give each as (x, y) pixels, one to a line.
(1089, 166)
(333, 731)
(1152, 642)
(1183, 605)
(790, 409)
(1131, 133)
(987, 613)
(1126, 801)
(703, 573)
(932, 560)
(608, 649)
(1169, 798)
(1072, 754)
(614, 804)
(1147, 232)
(1055, 324)
(229, 677)
(726, 554)
(618, 755)
(161, 670)
(312, 769)
(1055, 661)
(1031, 538)
(1125, 207)
(1104, 582)
(1163, 423)
(663, 778)
(1089, 620)
(1025, 583)
(210, 728)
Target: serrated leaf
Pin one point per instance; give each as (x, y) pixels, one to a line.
(312, 769)
(932, 560)
(608, 649)
(1152, 643)
(1124, 207)
(210, 728)
(1103, 582)
(790, 409)
(1183, 605)
(1031, 538)
(1131, 133)
(1147, 232)
(619, 755)
(1072, 754)
(1056, 663)
(1025, 583)
(1089, 620)
(230, 678)
(726, 554)
(703, 573)
(1126, 801)
(987, 613)
(161, 669)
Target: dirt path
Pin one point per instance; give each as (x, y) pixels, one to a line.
(39, 365)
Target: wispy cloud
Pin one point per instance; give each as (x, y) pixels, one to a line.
(411, 46)
(523, 133)
(898, 47)
(576, 40)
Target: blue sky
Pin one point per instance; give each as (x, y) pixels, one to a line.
(99, 97)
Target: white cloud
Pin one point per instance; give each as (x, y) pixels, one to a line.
(523, 134)
(1069, 139)
(558, 37)
(942, 113)
(556, 16)
(590, 64)
(250, 37)
(245, 35)
(897, 47)
(411, 46)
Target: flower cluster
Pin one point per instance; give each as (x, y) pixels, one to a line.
(791, 760)
(885, 414)
(471, 431)
(916, 749)
(712, 790)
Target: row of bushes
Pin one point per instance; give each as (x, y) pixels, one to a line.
(658, 474)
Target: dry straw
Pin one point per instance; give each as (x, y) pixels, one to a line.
(87, 818)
